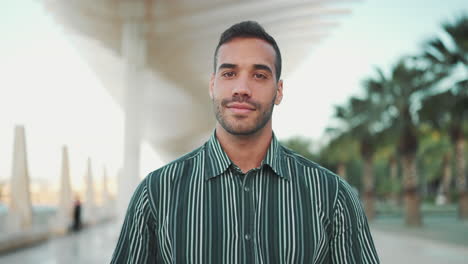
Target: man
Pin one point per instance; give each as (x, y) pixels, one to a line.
(242, 197)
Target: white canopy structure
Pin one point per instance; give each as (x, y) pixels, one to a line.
(155, 58)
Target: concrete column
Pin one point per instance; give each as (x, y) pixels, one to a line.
(105, 189)
(106, 199)
(20, 208)
(89, 205)
(65, 206)
(134, 46)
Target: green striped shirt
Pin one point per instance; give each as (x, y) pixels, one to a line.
(201, 208)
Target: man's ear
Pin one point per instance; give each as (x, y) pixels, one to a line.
(279, 92)
(211, 85)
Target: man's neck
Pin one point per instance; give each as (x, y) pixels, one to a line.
(247, 152)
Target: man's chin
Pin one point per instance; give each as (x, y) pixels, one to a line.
(243, 126)
(241, 130)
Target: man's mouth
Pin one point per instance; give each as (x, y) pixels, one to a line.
(240, 108)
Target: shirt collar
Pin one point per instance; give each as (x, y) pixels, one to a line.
(218, 162)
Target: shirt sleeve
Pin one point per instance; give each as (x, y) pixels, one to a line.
(351, 239)
(137, 238)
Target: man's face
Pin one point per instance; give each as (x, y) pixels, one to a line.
(244, 87)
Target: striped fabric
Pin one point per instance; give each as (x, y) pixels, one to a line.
(202, 209)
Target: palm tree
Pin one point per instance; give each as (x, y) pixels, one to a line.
(434, 156)
(361, 118)
(407, 82)
(450, 55)
(386, 151)
(448, 112)
(333, 154)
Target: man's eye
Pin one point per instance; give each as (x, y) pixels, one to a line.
(228, 74)
(259, 76)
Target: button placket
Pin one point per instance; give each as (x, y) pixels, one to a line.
(248, 216)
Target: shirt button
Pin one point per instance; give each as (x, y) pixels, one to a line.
(247, 189)
(247, 237)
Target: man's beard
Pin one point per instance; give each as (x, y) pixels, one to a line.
(239, 130)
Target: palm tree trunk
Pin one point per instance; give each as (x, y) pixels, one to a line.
(368, 179)
(444, 187)
(461, 178)
(411, 191)
(394, 179)
(342, 170)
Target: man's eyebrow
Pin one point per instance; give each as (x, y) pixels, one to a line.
(227, 66)
(262, 67)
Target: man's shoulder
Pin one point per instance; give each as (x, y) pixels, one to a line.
(172, 168)
(305, 163)
(319, 177)
(190, 156)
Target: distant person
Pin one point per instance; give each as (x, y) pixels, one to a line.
(242, 197)
(76, 215)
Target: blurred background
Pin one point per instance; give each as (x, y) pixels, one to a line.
(94, 95)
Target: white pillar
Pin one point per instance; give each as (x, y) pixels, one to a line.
(20, 209)
(89, 206)
(134, 55)
(106, 199)
(65, 206)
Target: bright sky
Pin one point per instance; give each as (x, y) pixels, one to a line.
(377, 33)
(45, 85)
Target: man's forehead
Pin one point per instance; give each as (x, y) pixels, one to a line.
(247, 50)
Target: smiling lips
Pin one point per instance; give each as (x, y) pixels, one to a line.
(240, 108)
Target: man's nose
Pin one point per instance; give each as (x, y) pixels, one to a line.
(241, 88)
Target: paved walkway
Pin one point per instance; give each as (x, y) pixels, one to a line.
(95, 245)
(91, 245)
(435, 227)
(397, 248)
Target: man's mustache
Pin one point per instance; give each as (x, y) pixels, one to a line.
(240, 99)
